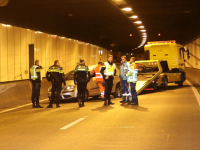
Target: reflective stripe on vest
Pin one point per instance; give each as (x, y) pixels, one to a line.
(110, 69)
(81, 68)
(55, 69)
(98, 74)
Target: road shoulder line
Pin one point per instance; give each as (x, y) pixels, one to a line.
(196, 93)
(7, 110)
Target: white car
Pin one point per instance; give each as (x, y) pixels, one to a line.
(92, 90)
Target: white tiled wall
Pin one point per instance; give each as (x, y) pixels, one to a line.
(194, 48)
(14, 52)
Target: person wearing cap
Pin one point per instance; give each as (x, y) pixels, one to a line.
(36, 79)
(99, 78)
(55, 75)
(124, 67)
(81, 78)
(132, 79)
(108, 72)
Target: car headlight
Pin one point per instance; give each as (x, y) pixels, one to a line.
(69, 87)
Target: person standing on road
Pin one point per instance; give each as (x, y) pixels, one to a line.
(81, 78)
(99, 78)
(132, 79)
(55, 75)
(108, 71)
(124, 67)
(36, 79)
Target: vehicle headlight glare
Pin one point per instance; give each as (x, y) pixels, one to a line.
(69, 87)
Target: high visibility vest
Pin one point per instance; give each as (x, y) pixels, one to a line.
(132, 73)
(34, 71)
(97, 71)
(110, 69)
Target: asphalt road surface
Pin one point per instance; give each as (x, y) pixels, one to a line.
(164, 120)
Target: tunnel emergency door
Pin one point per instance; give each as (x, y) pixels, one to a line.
(31, 55)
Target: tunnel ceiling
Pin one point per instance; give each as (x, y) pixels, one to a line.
(173, 19)
(99, 22)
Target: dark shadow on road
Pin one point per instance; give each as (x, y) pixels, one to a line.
(67, 101)
(169, 88)
(135, 107)
(103, 108)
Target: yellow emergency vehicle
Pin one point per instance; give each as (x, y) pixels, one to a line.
(165, 64)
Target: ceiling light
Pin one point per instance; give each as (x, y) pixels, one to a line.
(119, 2)
(144, 36)
(134, 17)
(127, 9)
(131, 34)
(138, 22)
(6, 25)
(143, 30)
(141, 27)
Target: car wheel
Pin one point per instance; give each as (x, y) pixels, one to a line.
(118, 93)
(165, 82)
(180, 83)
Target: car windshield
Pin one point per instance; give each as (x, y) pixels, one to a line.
(70, 75)
(147, 67)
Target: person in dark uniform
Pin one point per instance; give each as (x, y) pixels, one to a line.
(55, 75)
(81, 78)
(108, 72)
(36, 78)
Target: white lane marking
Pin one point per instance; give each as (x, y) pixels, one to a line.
(20, 106)
(196, 93)
(73, 123)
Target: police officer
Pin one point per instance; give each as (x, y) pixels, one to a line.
(132, 79)
(55, 75)
(81, 78)
(36, 78)
(124, 67)
(108, 71)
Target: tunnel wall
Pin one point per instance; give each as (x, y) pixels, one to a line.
(17, 93)
(194, 47)
(14, 52)
(193, 64)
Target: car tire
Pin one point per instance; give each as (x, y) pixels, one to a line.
(118, 93)
(180, 83)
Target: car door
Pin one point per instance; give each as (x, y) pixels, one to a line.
(93, 87)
